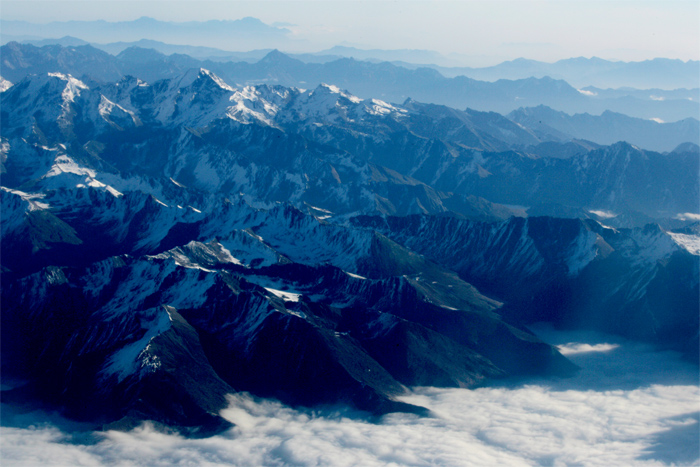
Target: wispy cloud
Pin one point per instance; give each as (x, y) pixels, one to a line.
(688, 216)
(587, 92)
(576, 348)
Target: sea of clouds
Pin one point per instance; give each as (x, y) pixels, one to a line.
(629, 405)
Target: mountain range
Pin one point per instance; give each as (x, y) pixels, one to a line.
(365, 79)
(581, 72)
(168, 242)
(608, 128)
(248, 33)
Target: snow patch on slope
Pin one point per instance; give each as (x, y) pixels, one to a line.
(29, 198)
(64, 164)
(4, 84)
(286, 296)
(132, 357)
(691, 243)
(72, 89)
(649, 245)
(250, 105)
(66, 173)
(108, 109)
(379, 107)
(220, 82)
(583, 252)
(248, 248)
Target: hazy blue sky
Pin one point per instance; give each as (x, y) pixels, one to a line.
(499, 29)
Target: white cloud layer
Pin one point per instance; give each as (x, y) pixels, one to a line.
(628, 406)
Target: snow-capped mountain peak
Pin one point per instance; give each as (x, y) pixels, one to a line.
(257, 104)
(325, 89)
(72, 88)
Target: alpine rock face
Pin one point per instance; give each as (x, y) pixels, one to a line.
(193, 238)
